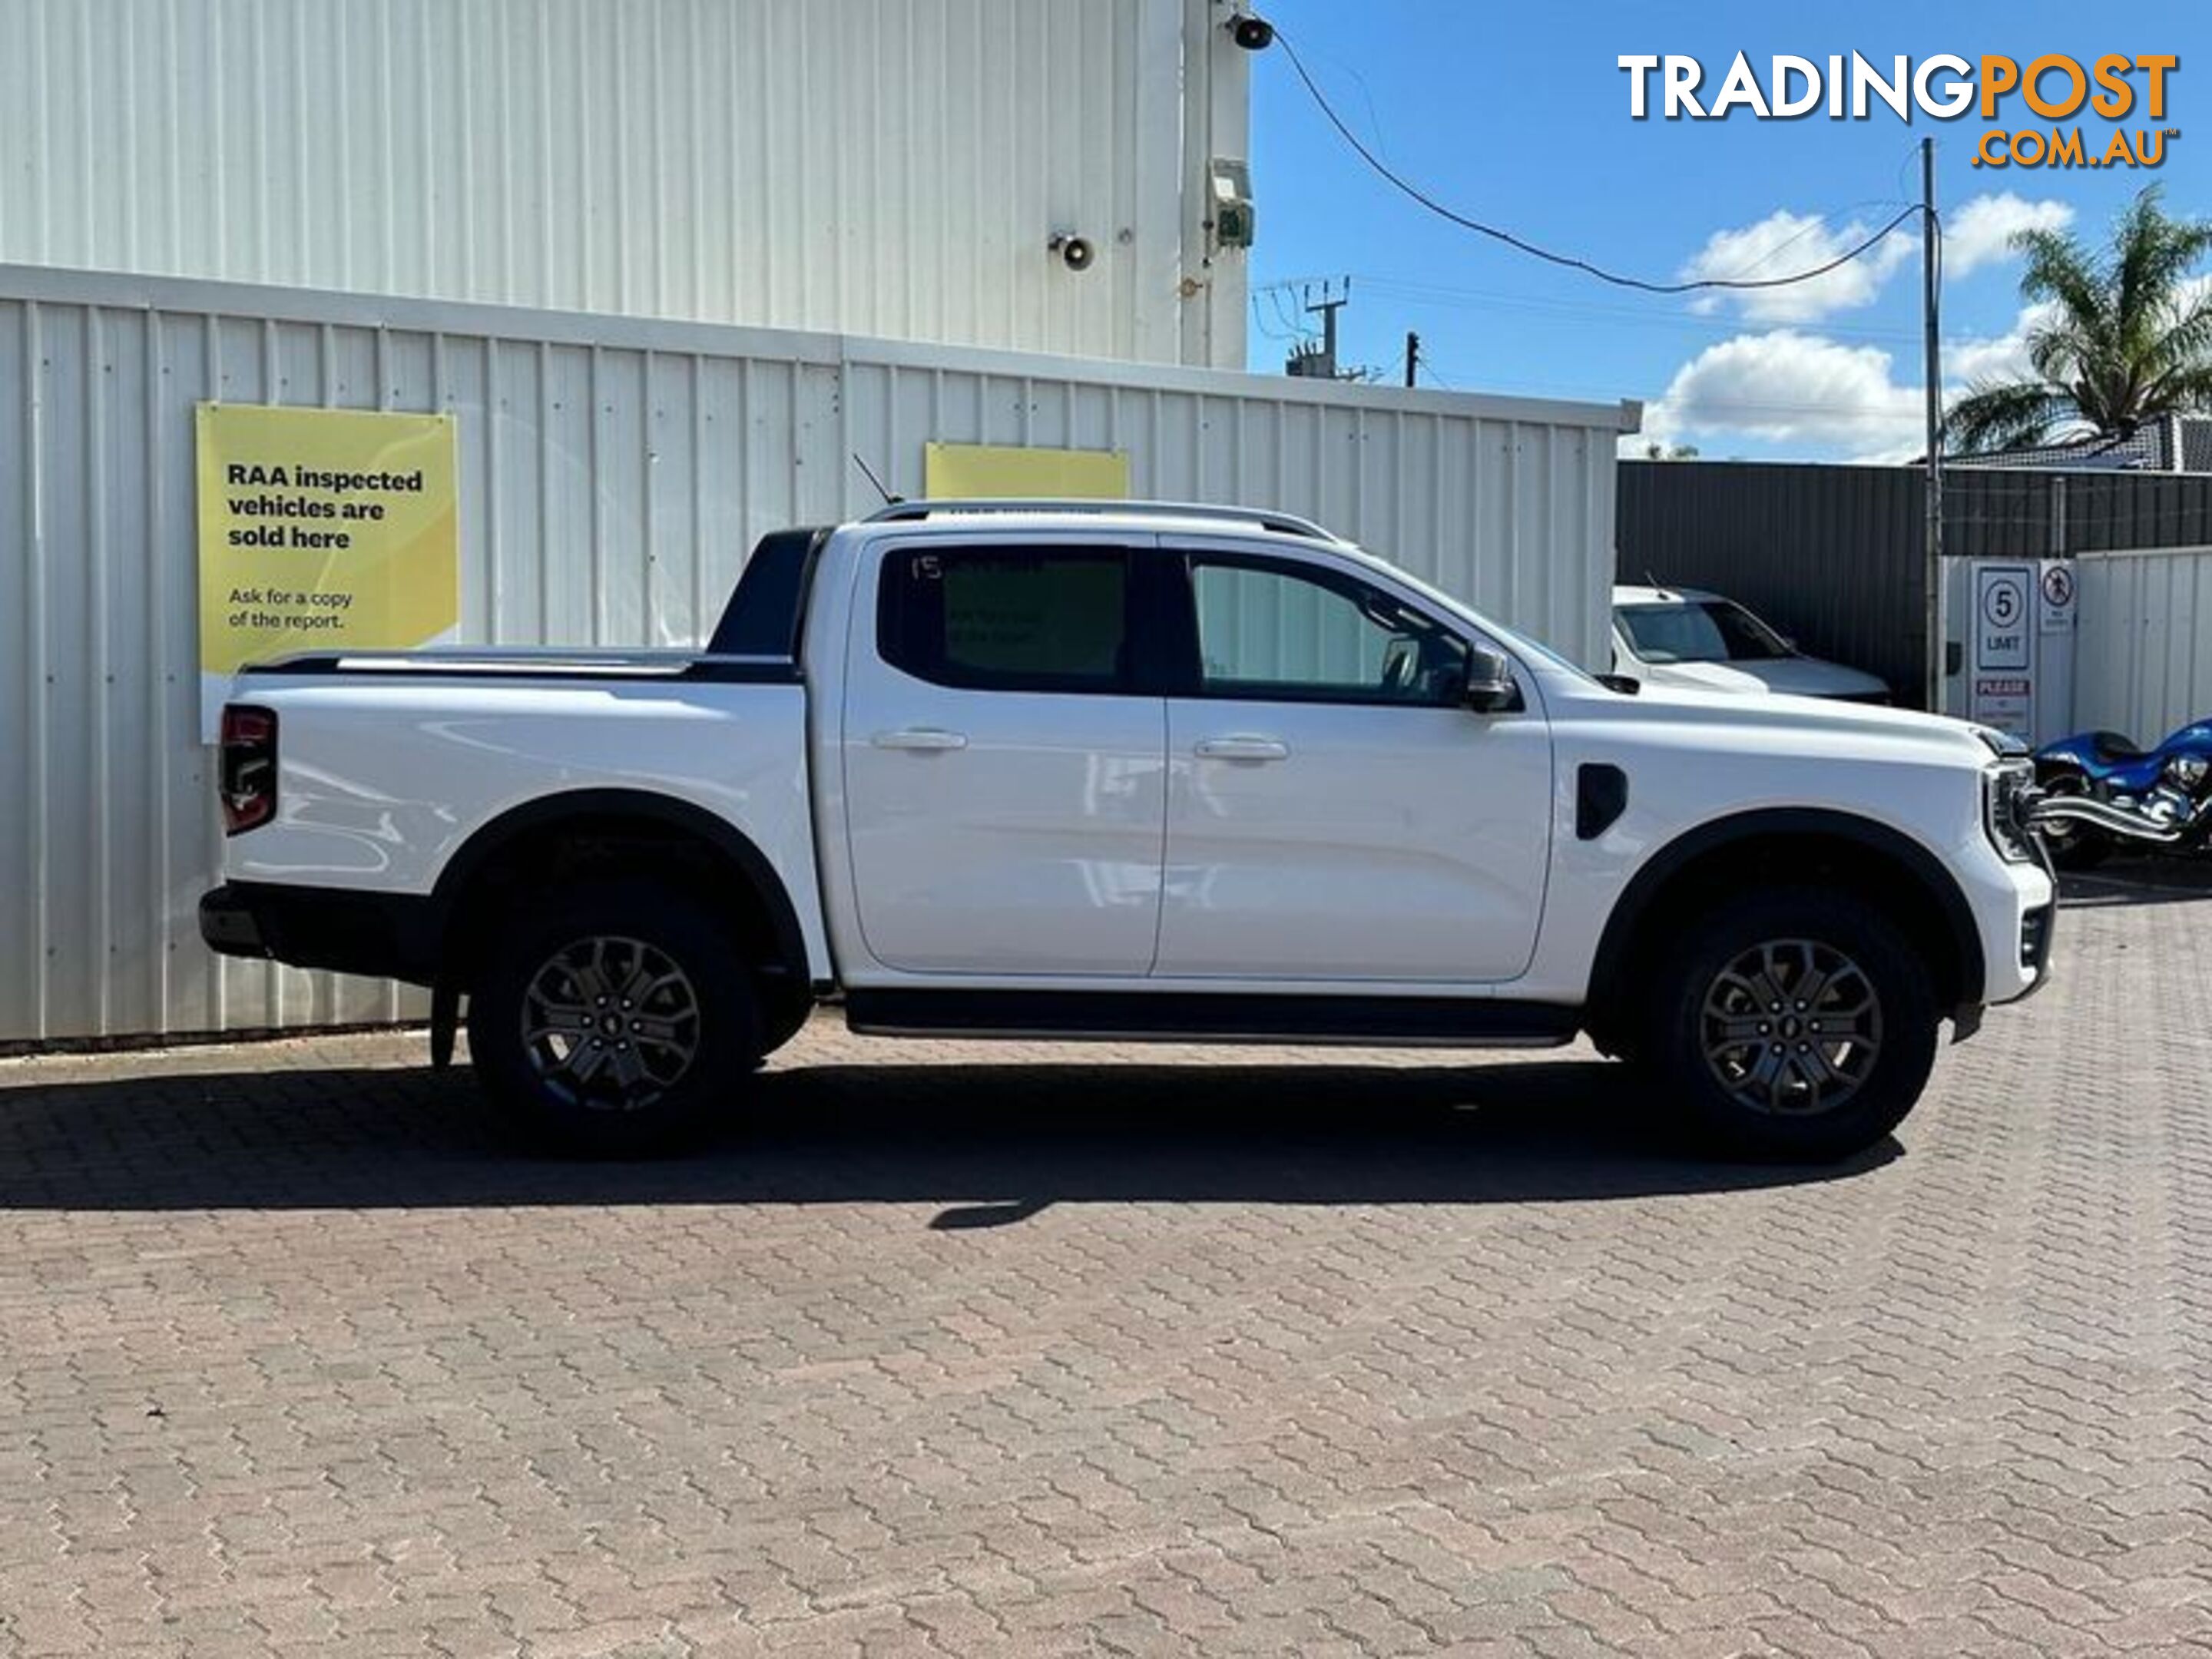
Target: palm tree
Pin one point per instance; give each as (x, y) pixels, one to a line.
(2126, 338)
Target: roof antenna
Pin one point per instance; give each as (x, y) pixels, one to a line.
(869, 472)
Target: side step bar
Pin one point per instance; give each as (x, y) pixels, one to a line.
(1216, 1016)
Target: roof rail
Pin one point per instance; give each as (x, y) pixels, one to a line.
(1281, 524)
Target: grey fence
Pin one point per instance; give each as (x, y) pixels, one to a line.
(1832, 555)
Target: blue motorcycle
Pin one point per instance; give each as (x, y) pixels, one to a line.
(2100, 792)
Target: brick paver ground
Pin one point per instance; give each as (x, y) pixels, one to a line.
(969, 1350)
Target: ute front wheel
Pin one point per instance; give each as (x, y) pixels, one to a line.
(1792, 1024)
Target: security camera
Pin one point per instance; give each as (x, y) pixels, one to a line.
(1253, 34)
(1075, 252)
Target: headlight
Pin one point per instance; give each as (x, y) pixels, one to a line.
(2186, 772)
(2005, 793)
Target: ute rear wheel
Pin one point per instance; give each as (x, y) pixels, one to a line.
(1792, 1024)
(617, 1022)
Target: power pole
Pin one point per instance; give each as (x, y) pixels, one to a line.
(1932, 372)
(1413, 354)
(1330, 303)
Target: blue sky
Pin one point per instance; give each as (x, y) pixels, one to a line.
(1519, 116)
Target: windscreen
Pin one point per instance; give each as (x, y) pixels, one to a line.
(1698, 630)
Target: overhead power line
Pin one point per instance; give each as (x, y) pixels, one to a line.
(1407, 187)
(1598, 313)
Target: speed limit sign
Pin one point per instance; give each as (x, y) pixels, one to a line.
(2002, 595)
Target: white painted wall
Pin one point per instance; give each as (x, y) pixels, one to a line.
(613, 473)
(889, 167)
(2142, 661)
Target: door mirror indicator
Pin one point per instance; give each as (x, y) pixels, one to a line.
(1490, 689)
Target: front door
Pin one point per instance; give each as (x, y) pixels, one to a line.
(1004, 785)
(1336, 811)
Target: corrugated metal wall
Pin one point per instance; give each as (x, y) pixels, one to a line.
(1992, 514)
(1499, 501)
(1833, 555)
(877, 166)
(2142, 650)
(1830, 555)
(613, 472)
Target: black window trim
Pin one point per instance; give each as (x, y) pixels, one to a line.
(1138, 672)
(1186, 672)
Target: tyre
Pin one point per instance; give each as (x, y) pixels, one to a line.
(2073, 845)
(2078, 849)
(1793, 1024)
(619, 1021)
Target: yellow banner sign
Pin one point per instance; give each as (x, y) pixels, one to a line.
(953, 471)
(324, 528)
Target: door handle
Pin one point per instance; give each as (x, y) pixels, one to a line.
(1242, 749)
(928, 739)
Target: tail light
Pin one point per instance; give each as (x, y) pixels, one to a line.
(249, 767)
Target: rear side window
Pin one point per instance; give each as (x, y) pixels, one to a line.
(1007, 619)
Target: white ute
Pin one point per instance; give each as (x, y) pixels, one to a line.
(1700, 641)
(1124, 770)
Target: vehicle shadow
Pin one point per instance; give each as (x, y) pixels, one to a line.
(991, 1144)
(2137, 881)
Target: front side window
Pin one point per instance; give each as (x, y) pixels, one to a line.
(1007, 619)
(1266, 631)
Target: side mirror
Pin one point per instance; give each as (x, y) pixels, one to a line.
(1490, 689)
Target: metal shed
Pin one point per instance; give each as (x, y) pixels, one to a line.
(879, 166)
(614, 471)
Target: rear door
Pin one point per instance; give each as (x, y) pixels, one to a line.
(1005, 780)
(1337, 812)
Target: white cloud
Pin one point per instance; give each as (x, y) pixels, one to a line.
(2002, 358)
(1979, 231)
(1783, 243)
(1999, 357)
(1788, 387)
(1813, 396)
(1659, 427)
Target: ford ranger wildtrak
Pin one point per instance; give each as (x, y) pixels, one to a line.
(1124, 770)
